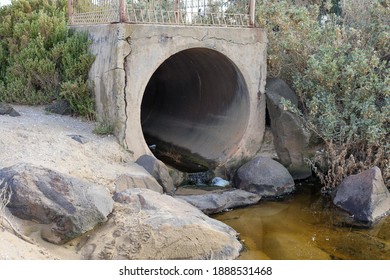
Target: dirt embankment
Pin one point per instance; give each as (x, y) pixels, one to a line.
(52, 141)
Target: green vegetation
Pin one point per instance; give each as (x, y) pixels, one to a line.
(41, 60)
(104, 128)
(334, 53)
(339, 68)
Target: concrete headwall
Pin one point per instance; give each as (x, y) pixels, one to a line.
(198, 88)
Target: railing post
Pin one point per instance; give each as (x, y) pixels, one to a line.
(70, 11)
(123, 11)
(252, 9)
(177, 12)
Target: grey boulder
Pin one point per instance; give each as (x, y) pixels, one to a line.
(148, 225)
(158, 170)
(67, 205)
(6, 109)
(364, 196)
(146, 181)
(291, 139)
(264, 176)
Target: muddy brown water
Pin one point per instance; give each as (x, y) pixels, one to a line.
(305, 226)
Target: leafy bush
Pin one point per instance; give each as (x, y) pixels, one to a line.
(371, 18)
(78, 94)
(76, 61)
(293, 33)
(339, 71)
(41, 60)
(346, 93)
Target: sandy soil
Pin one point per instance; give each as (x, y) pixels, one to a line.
(44, 139)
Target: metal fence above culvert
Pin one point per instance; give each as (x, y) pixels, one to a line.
(239, 13)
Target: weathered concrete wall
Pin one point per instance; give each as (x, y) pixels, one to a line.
(134, 59)
(108, 73)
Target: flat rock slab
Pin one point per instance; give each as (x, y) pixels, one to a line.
(150, 225)
(211, 203)
(68, 206)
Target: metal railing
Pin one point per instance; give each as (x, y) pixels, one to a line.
(177, 12)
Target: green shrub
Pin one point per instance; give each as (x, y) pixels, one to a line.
(104, 128)
(293, 34)
(339, 73)
(347, 102)
(75, 63)
(41, 60)
(77, 92)
(371, 19)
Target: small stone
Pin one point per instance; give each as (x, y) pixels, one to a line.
(6, 109)
(219, 182)
(79, 138)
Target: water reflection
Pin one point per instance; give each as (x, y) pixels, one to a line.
(305, 226)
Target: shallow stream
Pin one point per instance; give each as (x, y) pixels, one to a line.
(305, 226)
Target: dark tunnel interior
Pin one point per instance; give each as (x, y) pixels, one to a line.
(195, 109)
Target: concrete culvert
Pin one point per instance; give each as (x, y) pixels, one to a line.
(195, 109)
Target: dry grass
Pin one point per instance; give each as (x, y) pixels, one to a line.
(5, 198)
(340, 161)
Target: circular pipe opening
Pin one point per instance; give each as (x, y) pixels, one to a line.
(195, 110)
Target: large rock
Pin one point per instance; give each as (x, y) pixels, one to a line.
(67, 205)
(291, 139)
(265, 177)
(279, 87)
(125, 181)
(6, 109)
(149, 225)
(211, 203)
(158, 170)
(61, 107)
(364, 196)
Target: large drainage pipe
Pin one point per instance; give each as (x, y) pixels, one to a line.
(195, 109)
(196, 91)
